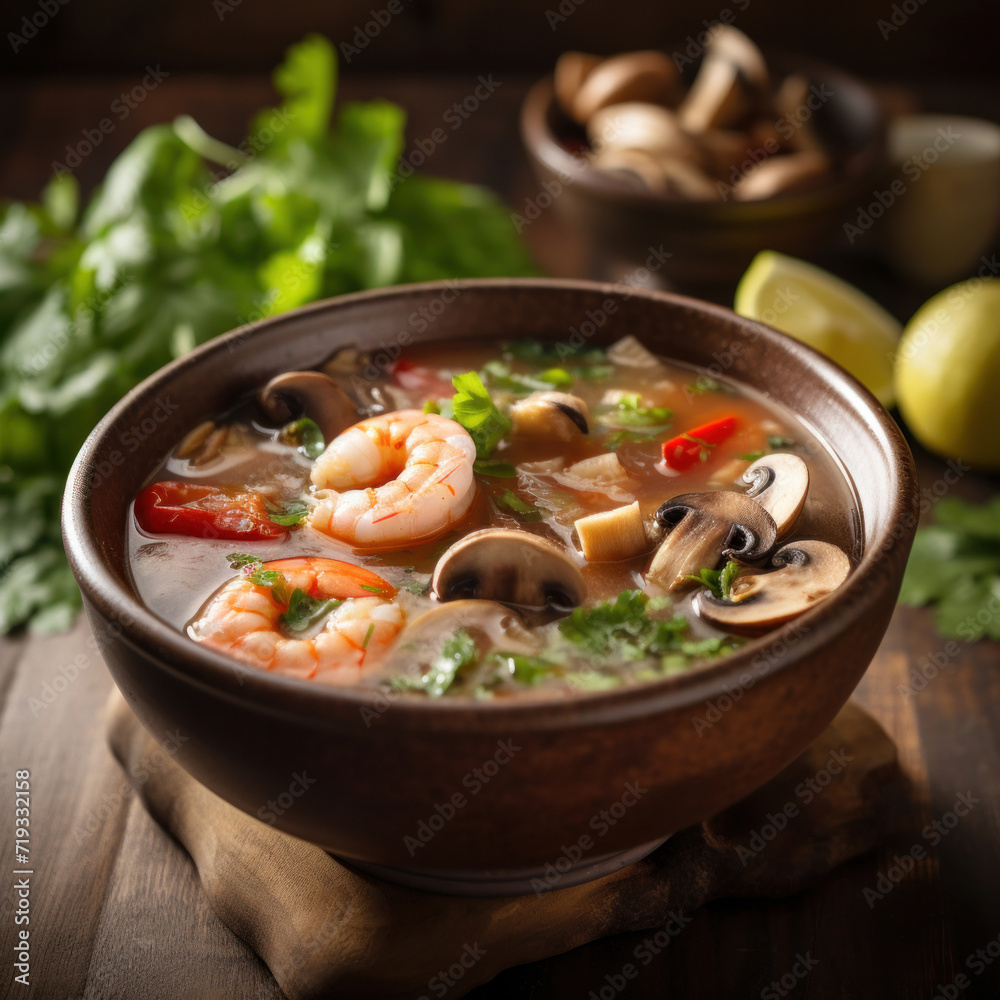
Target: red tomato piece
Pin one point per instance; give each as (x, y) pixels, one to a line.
(681, 452)
(421, 381)
(177, 508)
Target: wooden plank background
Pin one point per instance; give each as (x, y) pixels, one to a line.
(118, 911)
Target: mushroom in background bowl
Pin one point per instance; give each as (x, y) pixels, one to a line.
(711, 163)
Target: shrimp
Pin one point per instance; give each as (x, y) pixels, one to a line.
(243, 619)
(394, 479)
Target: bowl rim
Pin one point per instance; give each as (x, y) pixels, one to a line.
(870, 162)
(176, 652)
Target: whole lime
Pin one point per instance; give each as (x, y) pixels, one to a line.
(948, 373)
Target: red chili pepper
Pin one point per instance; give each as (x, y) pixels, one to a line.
(683, 451)
(420, 380)
(176, 508)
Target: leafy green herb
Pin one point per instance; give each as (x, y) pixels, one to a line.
(273, 579)
(306, 436)
(719, 581)
(619, 438)
(704, 447)
(500, 375)
(473, 407)
(629, 412)
(752, 456)
(305, 611)
(525, 669)
(373, 590)
(368, 636)
(955, 566)
(778, 441)
(168, 254)
(457, 652)
(591, 371)
(288, 513)
(705, 383)
(594, 680)
(238, 560)
(494, 469)
(431, 406)
(523, 510)
(539, 352)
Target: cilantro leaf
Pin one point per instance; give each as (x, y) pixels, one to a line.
(306, 436)
(718, 581)
(305, 611)
(457, 652)
(494, 469)
(237, 560)
(520, 508)
(475, 410)
(629, 412)
(288, 513)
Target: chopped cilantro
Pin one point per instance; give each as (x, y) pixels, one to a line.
(431, 406)
(752, 456)
(273, 579)
(305, 611)
(629, 412)
(525, 669)
(494, 469)
(288, 513)
(499, 374)
(719, 581)
(238, 560)
(705, 383)
(457, 652)
(523, 510)
(955, 566)
(779, 441)
(619, 438)
(306, 436)
(475, 410)
(538, 352)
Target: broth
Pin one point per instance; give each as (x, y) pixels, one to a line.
(633, 410)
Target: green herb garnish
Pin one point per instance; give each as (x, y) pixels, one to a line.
(616, 440)
(752, 456)
(955, 566)
(538, 352)
(523, 510)
(288, 513)
(238, 560)
(457, 652)
(779, 441)
(719, 581)
(431, 406)
(273, 579)
(368, 636)
(305, 611)
(705, 383)
(629, 412)
(499, 374)
(473, 407)
(494, 469)
(306, 436)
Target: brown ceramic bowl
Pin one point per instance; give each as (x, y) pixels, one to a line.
(710, 242)
(472, 796)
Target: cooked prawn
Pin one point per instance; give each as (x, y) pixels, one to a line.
(395, 478)
(243, 619)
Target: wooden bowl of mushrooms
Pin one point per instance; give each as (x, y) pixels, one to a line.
(710, 164)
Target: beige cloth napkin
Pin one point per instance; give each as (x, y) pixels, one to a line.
(325, 929)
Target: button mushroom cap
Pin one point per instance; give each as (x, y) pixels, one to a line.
(516, 568)
(310, 394)
(806, 572)
(779, 483)
(781, 175)
(701, 529)
(572, 68)
(556, 416)
(731, 80)
(636, 125)
(632, 76)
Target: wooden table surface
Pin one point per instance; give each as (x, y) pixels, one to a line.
(117, 908)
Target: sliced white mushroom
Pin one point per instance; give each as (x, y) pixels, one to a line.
(310, 394)
(515, 568)
(702, 528)
(606, 468)
(555, 416)
(572, 68)
(613, 535)
(784, 174)
(648, 127)
(632, 76)
(779, 483)
(731, 81)
(632, 353)
(805, 573)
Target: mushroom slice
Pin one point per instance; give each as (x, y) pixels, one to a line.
(557, 416)
(648, 127)
(704, 527)
(731, 79)
(779, 483)
(806, 572)
(572, 68)
(632, 76)
(310, 394)
(635, 167)
(511, 567)
(781, 175)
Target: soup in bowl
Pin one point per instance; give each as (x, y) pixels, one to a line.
(485, 558)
